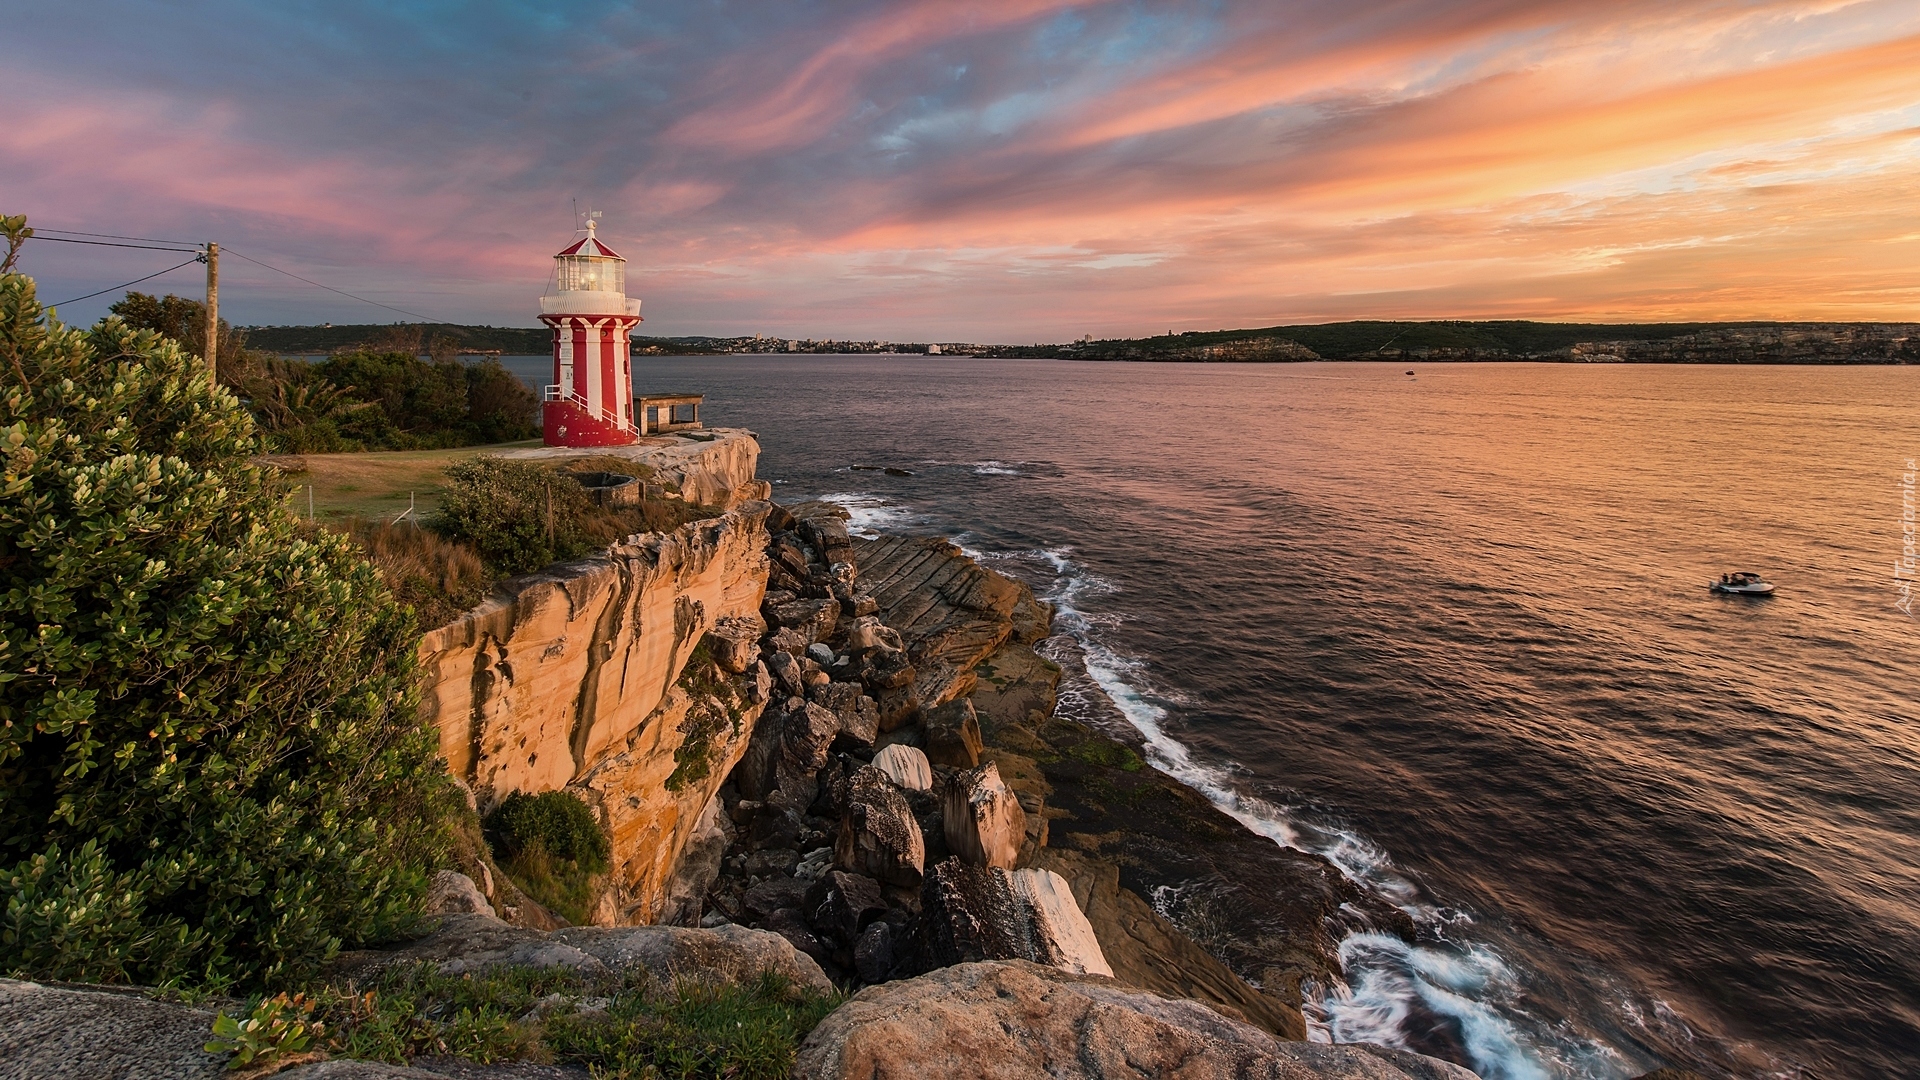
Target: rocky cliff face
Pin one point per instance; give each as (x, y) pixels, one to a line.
(578, 677)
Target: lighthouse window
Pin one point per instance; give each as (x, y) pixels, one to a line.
(589, 274)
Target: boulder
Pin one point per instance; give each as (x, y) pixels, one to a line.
(868, 633)
(790, 924)
(788, 640)
(454, 893)
(842, 904)
(814, 619)
(878, 834)
(1148, 952)
(787, 673)
(734, 643)
(724, 954)
(771, 895)
(906, 766)
(821, 654)
(63, 1032)
(1013, 1021)
(889, 669)
(898, 708)
(983, 822)
(699, 867)
(950, 734)
(859, 716)
(986, 913)
(873, 953)
(463, 944)
(807, 734)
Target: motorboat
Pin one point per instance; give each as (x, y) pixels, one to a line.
(1742, 584)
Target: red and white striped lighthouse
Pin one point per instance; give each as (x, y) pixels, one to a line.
(590, 401)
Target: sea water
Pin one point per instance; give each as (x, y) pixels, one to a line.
(1451, 630)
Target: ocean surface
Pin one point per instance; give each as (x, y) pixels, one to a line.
(1451, 630)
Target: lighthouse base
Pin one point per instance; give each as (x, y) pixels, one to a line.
(567, 424)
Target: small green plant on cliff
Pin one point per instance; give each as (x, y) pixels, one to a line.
(277, 1028)
(552, 846)
(715, 712)
(212, 768)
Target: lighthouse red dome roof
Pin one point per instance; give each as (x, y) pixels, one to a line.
(590, 245)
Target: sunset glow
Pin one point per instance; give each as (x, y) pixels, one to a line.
(1011, 171)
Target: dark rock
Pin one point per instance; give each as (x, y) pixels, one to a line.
(734, 643)
(788, 640)
(813, 618)
(807, 734)
(890, 669)
(897, 708)
(841, 904)
(761, 901)
(772, 861)
(879, 836)
(982, 821)
(698, 868)
(858, 714)
(774, 827)
(985, 913)
(950, 735)
(873, 953)
(1147, 951)
(789, 556)
(787, 673)
(790, 924)
(754, 778)
(821, 654)
(780, 519)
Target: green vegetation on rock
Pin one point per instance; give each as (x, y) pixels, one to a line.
(615, 1027)
(212, 769)
(552, 846)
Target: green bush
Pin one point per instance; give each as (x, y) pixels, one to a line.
(521, 515)
(561, 825)
(212, 769)
(552, 847)
(374, 399)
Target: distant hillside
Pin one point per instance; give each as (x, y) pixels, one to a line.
(420, 338)
(1699, 343)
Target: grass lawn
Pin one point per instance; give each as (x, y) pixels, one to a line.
(376, 485)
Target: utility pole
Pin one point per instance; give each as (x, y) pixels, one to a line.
(213, 309)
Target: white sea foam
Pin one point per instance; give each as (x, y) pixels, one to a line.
(1388, 979)
(996, 468)
(868, 515)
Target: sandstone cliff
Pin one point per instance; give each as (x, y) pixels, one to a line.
(576, 677)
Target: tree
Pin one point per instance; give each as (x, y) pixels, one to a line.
(212, 767)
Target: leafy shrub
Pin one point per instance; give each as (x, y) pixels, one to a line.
(212, 768)
(552, 847)
(561, 825)
(374, 399)
(277, 1028)
(521, 515)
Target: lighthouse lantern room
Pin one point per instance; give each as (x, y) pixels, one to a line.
(590, 401)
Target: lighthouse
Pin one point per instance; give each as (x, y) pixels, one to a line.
(590, 401)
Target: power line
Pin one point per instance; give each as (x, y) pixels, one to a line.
(103, 243)
(331, 289)
(111, 236)
(117, 288)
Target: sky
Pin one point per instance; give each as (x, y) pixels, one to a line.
(999, 171)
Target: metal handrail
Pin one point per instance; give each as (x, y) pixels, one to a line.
(551, 392)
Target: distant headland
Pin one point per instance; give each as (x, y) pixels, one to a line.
(1445, 340)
